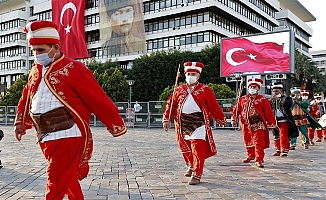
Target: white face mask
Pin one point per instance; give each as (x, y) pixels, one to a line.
(278, 95)
(317, 100)
(252, 91)
(191, 79)
(44, 58)
(304, 97)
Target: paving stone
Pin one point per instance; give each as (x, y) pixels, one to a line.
(146, 164)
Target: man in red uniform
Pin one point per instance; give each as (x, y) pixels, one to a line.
(192, 105)
(58, 100)
(286, 128)
(317, 110)
(256, 118)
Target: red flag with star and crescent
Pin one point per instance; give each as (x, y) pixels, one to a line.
(243, 55)
(69, 16)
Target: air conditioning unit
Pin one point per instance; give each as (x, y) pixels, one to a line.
(275, 76)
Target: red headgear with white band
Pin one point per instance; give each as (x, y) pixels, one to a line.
(42, 32)
(193, 67)
(304, 92)
(255, 81)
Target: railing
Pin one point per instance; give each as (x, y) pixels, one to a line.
(147, 115)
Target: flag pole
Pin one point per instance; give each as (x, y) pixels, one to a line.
(173, 94)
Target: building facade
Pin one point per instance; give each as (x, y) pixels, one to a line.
(319, 57)
(168, 24)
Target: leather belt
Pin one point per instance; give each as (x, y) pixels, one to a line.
(298, 117)
(280, 118)
(254, 119)
(54, 120)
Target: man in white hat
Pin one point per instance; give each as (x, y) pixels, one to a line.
(317, 110)
(58, 99)
(286, 128)
(257, 118)
(192, 105)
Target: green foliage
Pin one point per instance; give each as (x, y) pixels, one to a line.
(222, 91)
(115, 86)
(307, 73)
(14, 93)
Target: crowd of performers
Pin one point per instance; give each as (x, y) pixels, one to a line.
(285, 116)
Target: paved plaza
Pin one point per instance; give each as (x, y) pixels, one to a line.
(146, 164)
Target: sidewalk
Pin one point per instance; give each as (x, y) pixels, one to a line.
(146, 164)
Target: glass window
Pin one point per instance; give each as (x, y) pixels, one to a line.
(206, 37)
(188, 39)
(182, 40)
(188, 20)
(194, 39)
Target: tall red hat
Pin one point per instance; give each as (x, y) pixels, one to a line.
(255, 81)
(193, 67)
(42, 32)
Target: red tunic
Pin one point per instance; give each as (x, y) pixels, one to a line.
(262, 107)
(206, 100)
(76, 88)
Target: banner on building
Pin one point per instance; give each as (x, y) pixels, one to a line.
(122, 27)
(69, 15)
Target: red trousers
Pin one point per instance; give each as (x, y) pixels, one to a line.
(63, 157)
(254, 142)
(283, 143)
(319, 133)
(196, 158)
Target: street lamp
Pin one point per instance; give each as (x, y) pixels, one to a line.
(238, 76)
(130, 83)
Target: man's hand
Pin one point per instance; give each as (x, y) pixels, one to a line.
(234, 123)
(19, 132)
(166, 126)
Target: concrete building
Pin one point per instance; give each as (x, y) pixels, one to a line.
(319, 57)
(168, 24)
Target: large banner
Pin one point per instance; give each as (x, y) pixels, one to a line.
(122, 27)
(269, 53)
(69, 15)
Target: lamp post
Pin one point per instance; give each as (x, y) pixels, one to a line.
(238, 76)
(130, 83)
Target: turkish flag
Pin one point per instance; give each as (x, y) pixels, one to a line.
(243, 55)
(69, 16)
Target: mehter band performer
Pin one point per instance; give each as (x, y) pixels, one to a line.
(192, 105)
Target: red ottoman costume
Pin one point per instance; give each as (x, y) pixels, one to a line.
(68, 157)
(195, 150)
(256, 117)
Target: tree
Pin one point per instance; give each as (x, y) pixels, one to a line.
(116, 86)
(14, 93)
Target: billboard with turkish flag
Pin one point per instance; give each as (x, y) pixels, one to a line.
(268, 53)
(69, 16)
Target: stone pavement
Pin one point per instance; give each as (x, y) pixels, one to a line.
(146, 164)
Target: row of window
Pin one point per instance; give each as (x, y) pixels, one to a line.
(13, 65)
(321, 62)
(182, 40)
(12, 37)
(241, 9)
(319, 56)
(13, 24)
(244, 11)
(13, 51)
(264, 7)
(294, 28)
(46, 15)
(194, 20)
(168, 42)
